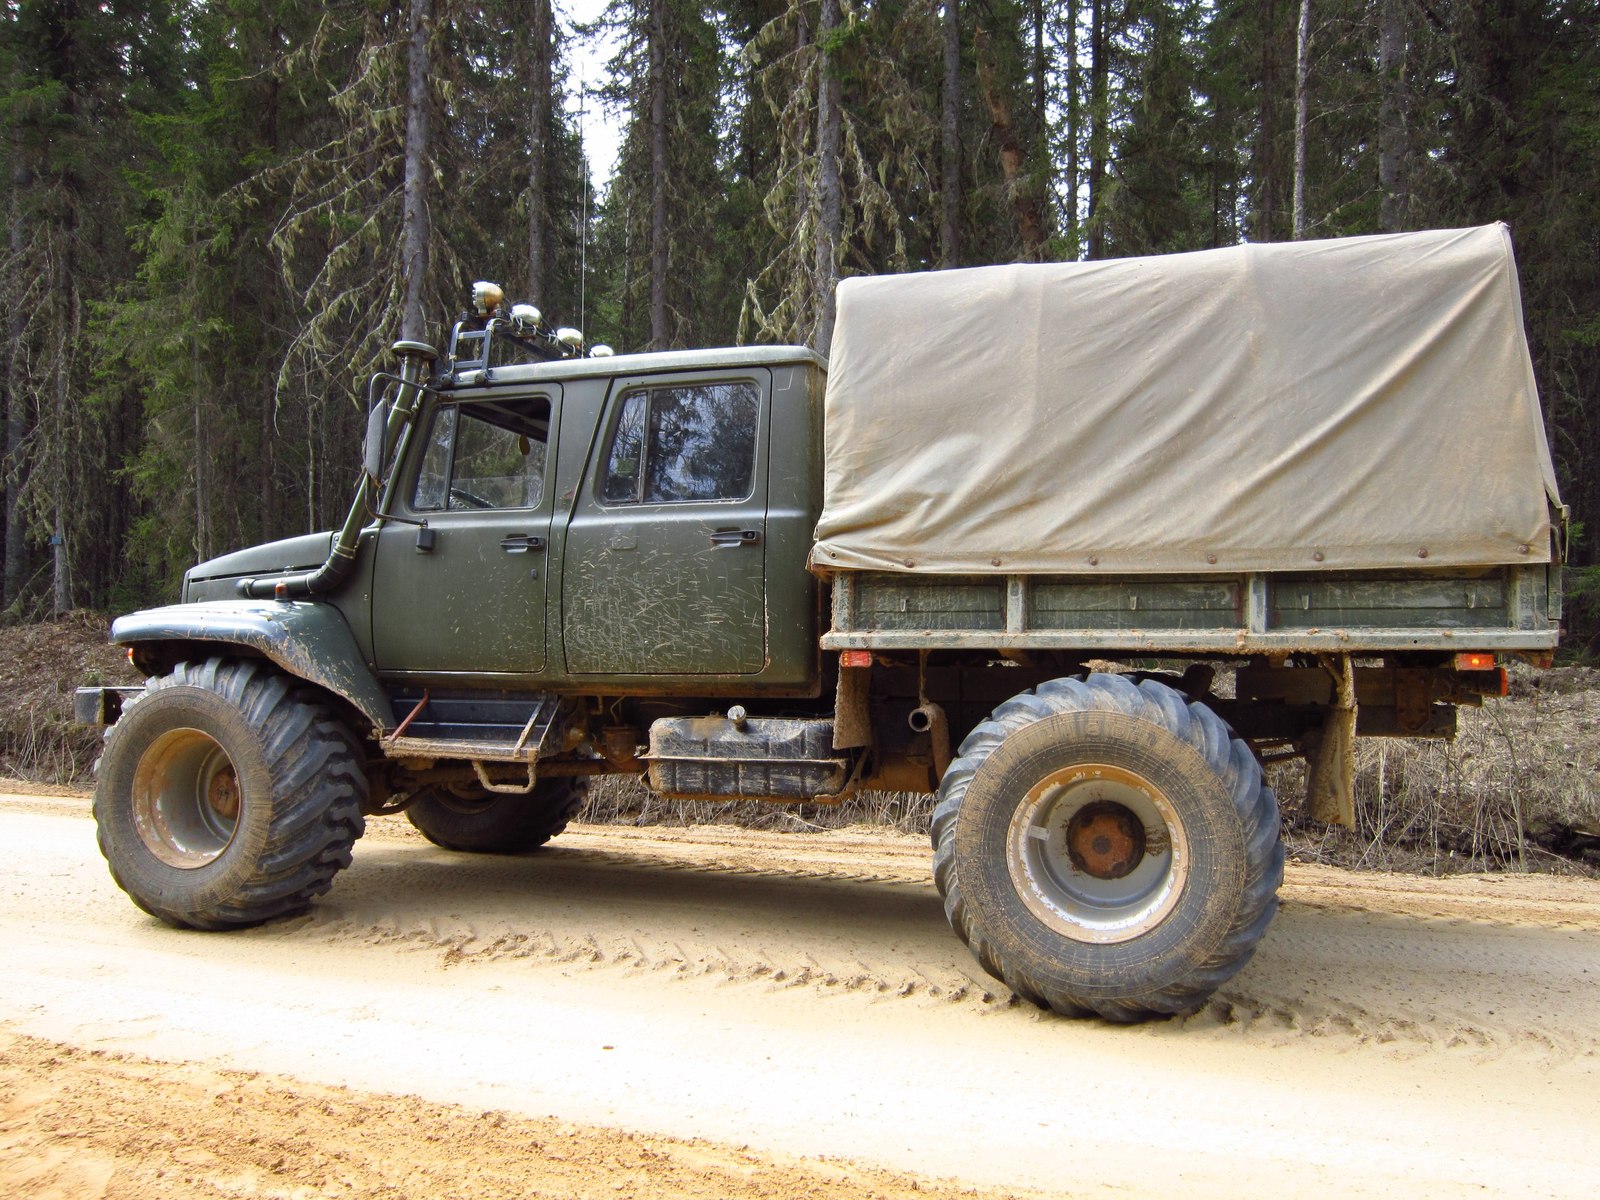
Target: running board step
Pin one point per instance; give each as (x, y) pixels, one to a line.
(488, 728)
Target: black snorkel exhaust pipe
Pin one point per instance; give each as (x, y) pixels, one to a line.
(342, 557)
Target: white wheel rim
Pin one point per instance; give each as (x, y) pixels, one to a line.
(1097, 853)
(186, 799)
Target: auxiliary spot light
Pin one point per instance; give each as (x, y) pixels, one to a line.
(486, 297)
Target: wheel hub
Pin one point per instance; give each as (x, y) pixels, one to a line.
(222, 794)
(1097, 853)
(1105, 839)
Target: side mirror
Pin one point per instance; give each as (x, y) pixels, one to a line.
(372, 451)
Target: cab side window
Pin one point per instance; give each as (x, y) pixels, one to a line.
(484, 456)
(693, 442)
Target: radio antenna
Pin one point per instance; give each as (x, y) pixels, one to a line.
(583, 220)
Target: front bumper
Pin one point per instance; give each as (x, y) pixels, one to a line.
(100, 705)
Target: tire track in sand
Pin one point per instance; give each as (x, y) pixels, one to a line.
(1462, 965)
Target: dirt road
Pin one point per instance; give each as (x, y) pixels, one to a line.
(711, 1012)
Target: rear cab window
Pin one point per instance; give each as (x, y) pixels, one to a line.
(682, 442)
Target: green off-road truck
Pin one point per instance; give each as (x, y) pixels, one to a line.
(1080, 547)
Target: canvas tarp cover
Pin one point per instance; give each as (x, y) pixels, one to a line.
(1346, 404)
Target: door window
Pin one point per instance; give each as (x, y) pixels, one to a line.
(484, 456)
(693, 442)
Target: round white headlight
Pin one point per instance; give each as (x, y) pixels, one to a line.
(525, 314)
(601, 350)
(486, 297)
(568, 336)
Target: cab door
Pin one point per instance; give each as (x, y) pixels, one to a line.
(665, 557)
(459, 583)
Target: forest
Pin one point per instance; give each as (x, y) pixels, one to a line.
(218, 216)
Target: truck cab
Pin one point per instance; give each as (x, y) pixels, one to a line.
(593, 525)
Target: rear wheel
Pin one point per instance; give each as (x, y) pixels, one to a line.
(483, 822)
(1108, 846)
(227, 794)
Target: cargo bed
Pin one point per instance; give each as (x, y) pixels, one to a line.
(1508, 609)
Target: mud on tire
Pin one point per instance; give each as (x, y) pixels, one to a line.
(1108, 847)
(228, 794)
(482, 822)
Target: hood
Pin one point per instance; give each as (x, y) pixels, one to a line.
(303, 553)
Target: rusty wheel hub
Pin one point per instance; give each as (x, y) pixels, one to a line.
(222, 793)
(1097, 853)
(1105, 840)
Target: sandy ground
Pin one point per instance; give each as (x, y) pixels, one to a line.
(715, 1012)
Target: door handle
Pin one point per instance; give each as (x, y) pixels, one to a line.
(736, 537)
(521, 543)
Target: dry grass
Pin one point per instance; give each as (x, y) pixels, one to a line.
(622, 800)
(1518, 789)
(40, 666)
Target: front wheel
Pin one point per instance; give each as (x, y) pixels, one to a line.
(1109, 847)
(228, 794)
(482, 822)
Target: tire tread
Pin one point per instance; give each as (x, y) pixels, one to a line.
(319, 788)
(521, 825)
(1227, 756)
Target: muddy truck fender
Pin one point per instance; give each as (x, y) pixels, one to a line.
(307, 639)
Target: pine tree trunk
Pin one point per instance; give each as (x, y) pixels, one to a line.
(62, 578)
(629, 294)
(16, 409)
(266, 478)
(202, 457)
(266, 498)
(1394, 208)
(67, 341)
(802, 189)
(68, 303)
(950, 199)
(829, 134)
(1031, 227)
(539, 55)
(16, 437)
(1074, 127)
(1266, 164)
(1042, 157)
(1041, 90)
(1302, 72)
(658, 175)
(1099, 141)
(313, 451)
(414, 220)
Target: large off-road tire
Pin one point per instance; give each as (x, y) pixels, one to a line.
(481, 822)
(1109, 847)
(228, 794)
